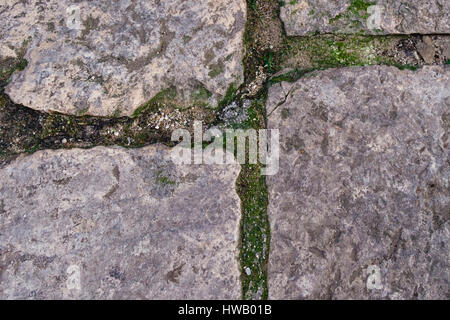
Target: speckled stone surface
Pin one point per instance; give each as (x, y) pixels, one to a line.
(360, 207)
(303, 17)
(110, 57)
(112, 223)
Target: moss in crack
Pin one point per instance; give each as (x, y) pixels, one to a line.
(255, 229)
(262, 37)
(252, 190)
(319, 51)
(263, 28)
(8, 66)
(166, 95)
(230, 95)
(332, 51)
(268, 61)
(255, 233)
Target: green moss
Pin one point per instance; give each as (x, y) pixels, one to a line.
(164, 180)
(255, 229)
(255, 232)
(268, 61)
(166, 95)
(358, 6)
(32, 149)
(251, 186)
(330, 51)
(22, 64)
(9, 66)
(230, 95)
(356, 10)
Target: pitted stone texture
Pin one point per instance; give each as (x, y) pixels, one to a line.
(304, 17)
(124, 53)
(111, 223)
(360, 207)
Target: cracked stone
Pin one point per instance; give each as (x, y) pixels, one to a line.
(360, 206)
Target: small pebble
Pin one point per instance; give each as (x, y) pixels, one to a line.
(248, 271)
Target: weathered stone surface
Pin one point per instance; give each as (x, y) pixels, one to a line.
(117, 223)
(360, 207)
(124, 52)
(303, 17)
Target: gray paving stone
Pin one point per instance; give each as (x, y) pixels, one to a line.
(360, 207)
(112, 223)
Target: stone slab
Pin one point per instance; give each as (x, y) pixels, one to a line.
(110, 57)
(305, 17)
(112, 223)
(360, 206)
